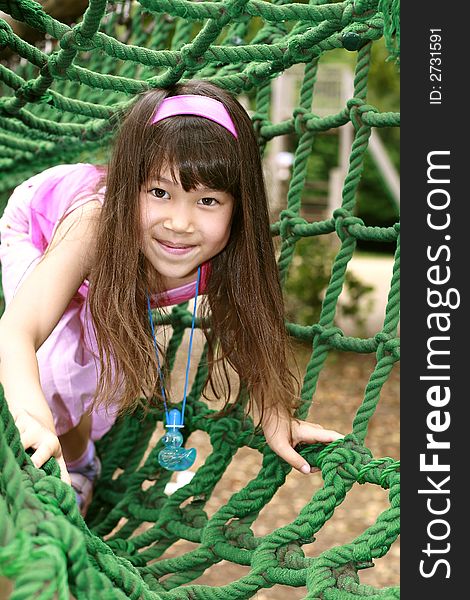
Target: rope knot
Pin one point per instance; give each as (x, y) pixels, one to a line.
(354, 105)
(385, 466)
(192, 61)
(239, 532)
(366, 108)
(181, 316)
(28, 93)
(75, 39)
(352, 220)
(300, 123)
(82, 42)
(357, 109)
(393, 347)
(382, 337)
(361, 6)
(235, 8)
(257, 73)
(288, 220)
(296, 52)
(193, 515)
(327, 450)
(372, 464)
(259, 121)
(55, 67)
(393, 467)
(326, 334)
(67, 41)
(225, 430)
(386, 344)
(290, 553)
(343, 220)
(355, 101)
(340, 213)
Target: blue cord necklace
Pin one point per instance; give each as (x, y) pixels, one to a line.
(173, 457)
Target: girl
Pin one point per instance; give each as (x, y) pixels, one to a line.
(82, 246)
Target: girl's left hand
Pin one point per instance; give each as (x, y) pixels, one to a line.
(283, 434)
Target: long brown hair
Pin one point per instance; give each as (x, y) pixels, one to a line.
(243, 299)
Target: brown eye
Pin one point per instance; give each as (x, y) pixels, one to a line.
(209, 201)
(159, 193)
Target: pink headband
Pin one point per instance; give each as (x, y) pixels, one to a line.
(200, 106)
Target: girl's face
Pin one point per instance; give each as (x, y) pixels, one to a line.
(181, 230)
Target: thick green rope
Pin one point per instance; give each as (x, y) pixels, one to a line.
(62, 105)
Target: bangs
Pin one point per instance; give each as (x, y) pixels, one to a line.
(197, 152)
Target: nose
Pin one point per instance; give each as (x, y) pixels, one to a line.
(179, 220)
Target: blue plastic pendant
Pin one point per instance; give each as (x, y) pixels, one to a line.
(173, 457)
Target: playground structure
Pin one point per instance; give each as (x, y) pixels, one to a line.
(62, 105)
(333, 87)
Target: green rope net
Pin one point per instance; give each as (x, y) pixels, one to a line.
(61, 103)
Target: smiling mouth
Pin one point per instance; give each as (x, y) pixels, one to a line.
(172, 248)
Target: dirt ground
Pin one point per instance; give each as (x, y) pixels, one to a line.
(339, 393)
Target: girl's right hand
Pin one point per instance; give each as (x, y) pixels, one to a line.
(44, 441)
